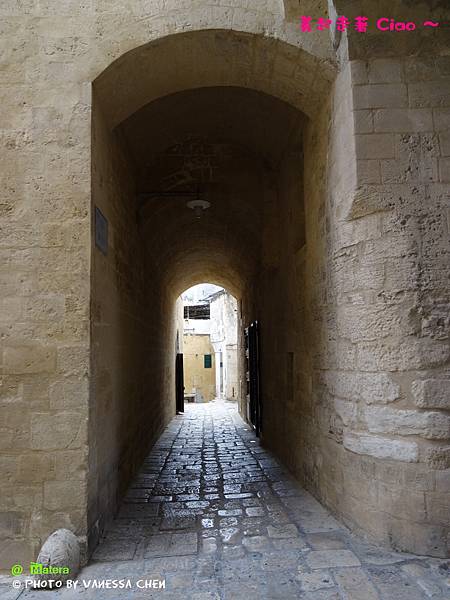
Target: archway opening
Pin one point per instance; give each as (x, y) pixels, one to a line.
(210, 345)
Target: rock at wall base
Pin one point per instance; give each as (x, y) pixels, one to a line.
(61, 551)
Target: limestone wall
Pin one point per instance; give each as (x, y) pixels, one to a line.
(45, 287)
(362, 352)
(198, 379)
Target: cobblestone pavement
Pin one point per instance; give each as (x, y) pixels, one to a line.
(216, 516)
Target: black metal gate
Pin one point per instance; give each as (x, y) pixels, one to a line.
(179, 383)
(254, 402)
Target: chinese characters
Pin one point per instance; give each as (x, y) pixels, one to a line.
(360, 24)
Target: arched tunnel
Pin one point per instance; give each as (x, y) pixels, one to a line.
(246, 124)
(238, 148)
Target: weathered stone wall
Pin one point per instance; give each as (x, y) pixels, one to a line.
(366, 373)
(197, 379)
(399, 319)
(45, 287)
(120, 331)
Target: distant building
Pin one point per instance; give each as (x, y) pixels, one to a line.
(224, 339)
(210, 344)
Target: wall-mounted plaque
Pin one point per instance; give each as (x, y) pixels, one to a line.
(101, 231)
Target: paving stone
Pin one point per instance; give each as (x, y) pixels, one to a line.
(277, 561)
(256, 543)
(326, 541)
(317, 580)
(115, 549)
(254, 511)
(327, 594)
(317, 523)
(206, 531)
(230, 535)
(138, 511)
(233, 552)
(391, 584)
(207, 523)
(431, 588)
(186, 522)
(230, 513)
(282, 531)
(321, 559)
(356, 585)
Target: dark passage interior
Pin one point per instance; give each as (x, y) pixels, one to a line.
(240, 151)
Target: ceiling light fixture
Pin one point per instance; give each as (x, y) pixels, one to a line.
(198, 206)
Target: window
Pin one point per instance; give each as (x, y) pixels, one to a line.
(208, 361)
(199, 311)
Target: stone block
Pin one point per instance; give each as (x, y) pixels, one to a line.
(431, 393)
(441, 118)
(358, 72)
(35, 467)
(324, 559)
(434, 94)
(443, 481)
(389, 95)
(430, 425)
(11, 524)
(363, 120)
(395, 500)
(368, 171)
(317, 580)
(399, 120)
(282, 531)
(356, 584)
(73, 360)
(444, 142)
(430, 588)
(417, 156)
(420, 69)
(444, 170)
(347, 411)
(21, 497)
(70, 464)
(63, 495)
(8, 464)
(369, 387)
(45, 308)
(426, 539)
(438, 507)
(69, 393)
(55, 431)
(113, 549)
(385, 70)
(438, 457)
(18, 550)
(381, 447)
(22, 360)
(417, 479)
(374, 145)
(395, 355)
(11, 309)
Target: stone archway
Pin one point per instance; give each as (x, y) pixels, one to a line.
(218, 111)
